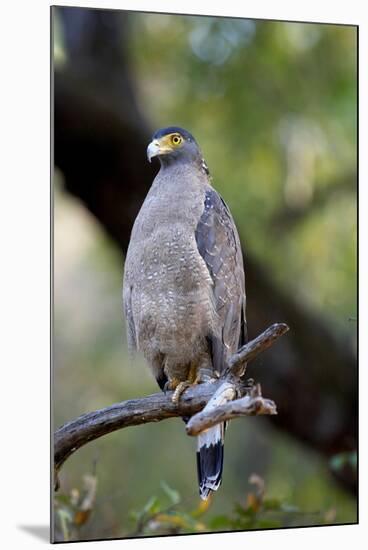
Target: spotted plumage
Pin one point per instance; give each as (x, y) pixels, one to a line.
(184, 294)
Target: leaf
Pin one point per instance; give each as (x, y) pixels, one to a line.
(133, 515)
(81, 517)
(253, 502)
(176, 520)
(152, 506)
(202, 507)
(89, 494)
(65, 515)
(192, 524)
(65, 519)
(172, 494)
(62, 499)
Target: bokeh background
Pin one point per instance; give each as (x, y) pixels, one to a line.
(274, 108)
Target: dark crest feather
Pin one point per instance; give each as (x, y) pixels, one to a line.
(172, 130)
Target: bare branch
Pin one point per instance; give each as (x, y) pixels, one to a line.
(253, 348)
(249, 405)
(216, 394)
(153, 408)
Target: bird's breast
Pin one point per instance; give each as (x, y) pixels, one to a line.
(172, 289)
(172, 296)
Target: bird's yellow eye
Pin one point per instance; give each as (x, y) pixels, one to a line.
(176, 139)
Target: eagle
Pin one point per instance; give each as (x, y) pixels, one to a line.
(184, 288)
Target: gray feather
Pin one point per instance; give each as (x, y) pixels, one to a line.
(218, 244)
(184, 293)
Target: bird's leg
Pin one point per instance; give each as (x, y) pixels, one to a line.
(179, 390)
(196, 375)
(171, 384)
(182, 386)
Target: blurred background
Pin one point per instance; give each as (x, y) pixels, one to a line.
(273, 106)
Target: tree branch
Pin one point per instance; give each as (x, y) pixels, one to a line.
(249, 405)
(154, 408)
(251, 349)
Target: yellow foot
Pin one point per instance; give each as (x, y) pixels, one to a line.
(194, 379)
(179, 390)
(171, 384)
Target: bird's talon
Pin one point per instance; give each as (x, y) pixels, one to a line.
(179, 390)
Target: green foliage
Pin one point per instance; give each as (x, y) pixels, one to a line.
(161, 515)
(73, 510)
(168, 513)
(164, 514)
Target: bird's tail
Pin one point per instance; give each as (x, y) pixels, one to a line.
(210, 459)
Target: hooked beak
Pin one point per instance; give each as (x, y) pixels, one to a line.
(153, 149)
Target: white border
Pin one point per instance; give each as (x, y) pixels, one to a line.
(24, 197)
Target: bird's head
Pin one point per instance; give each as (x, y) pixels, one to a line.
(173, 144)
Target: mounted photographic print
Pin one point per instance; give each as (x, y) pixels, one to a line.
(204, 182)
